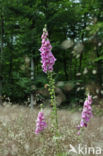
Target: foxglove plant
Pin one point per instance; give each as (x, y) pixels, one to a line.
(40, 123)
(40, 127)
(48, 61)
(86, 113)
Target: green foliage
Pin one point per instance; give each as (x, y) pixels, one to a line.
(23, 21)
(40, 81)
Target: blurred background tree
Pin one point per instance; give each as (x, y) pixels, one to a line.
(76, 33)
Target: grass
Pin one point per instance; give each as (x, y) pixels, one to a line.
(17, 138)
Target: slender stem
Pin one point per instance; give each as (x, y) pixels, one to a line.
(53, 100)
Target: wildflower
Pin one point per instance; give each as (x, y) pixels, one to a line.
(40, 123)
(86, 113)
(47, 58)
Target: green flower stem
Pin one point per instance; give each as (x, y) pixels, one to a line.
(42, 139)
(54, 116)
(53, 101)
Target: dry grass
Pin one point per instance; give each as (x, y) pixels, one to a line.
(17, 138)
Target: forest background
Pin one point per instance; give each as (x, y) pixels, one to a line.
(76, 33)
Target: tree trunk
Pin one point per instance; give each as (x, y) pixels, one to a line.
(80, 62)
(1, 59)
(32, 79)
(65, 67)
(99, 69)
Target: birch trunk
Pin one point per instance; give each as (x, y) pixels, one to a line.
(1, 52)
(32, 78)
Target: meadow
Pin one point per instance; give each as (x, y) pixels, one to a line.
(17, 137)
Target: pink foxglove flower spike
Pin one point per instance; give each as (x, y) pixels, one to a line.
(40, 123)
(47, 58)
(86, 113)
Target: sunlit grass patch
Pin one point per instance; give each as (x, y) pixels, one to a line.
(17, 137)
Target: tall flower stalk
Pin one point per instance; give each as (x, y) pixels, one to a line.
(48, 61)
(53, 101)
